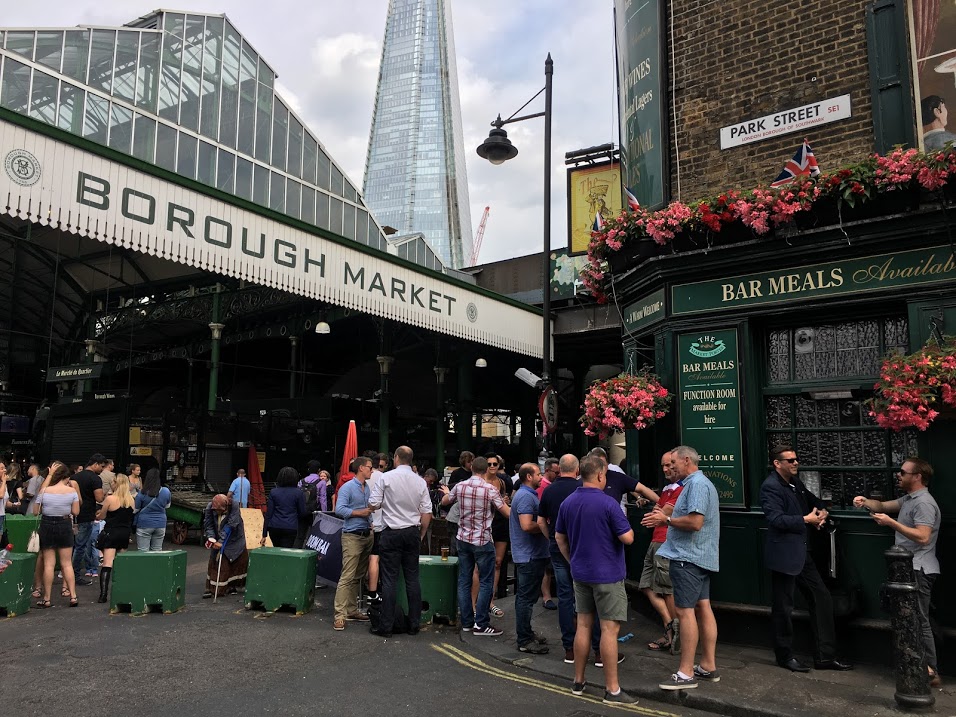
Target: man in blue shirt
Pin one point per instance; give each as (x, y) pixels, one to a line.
(693, 536)
(529, 551)
(352, 506)
(240, 487)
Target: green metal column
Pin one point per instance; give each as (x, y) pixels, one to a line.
(464, 420)
(440, 373)
(216, 328)
(384, 367)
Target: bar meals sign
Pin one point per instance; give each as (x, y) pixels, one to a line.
(84, 193)
(797, 119)
(882, 272)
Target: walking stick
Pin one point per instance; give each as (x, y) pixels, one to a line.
(225, 539)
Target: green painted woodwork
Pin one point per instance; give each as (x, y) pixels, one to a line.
(644, 312)
(281, 577)
(839, 277)
(15, 584)
(145, 581)
(191, 516)
(889, 63)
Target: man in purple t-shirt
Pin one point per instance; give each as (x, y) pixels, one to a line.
(591, 532)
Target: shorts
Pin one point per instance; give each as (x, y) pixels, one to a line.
(56, 533)
(115, 537)
(376, 540)
(608, 599)
(691, 583)
(500, 531)
(656, 573)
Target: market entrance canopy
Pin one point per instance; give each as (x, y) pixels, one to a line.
(58, 180)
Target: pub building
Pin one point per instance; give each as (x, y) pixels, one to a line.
(778, 337)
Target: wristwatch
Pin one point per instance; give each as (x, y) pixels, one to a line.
(668, 520)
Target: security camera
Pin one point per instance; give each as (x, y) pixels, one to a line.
(529, 378)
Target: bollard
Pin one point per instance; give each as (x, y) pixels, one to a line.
(900, 598)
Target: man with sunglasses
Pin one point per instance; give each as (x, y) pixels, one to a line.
(917, 528)
(790, 509)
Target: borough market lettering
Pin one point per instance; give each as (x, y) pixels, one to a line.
(141, 207)
(917, 266)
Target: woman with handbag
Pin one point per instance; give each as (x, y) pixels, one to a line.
(57, 504)
(117, 511)
(151, 505)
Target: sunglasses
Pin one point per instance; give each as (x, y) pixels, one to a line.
(789, 460)
(492, 465)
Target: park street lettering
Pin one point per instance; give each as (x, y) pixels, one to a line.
(783, 284)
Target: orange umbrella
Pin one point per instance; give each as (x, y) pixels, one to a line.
(351, 448)
(257, 496)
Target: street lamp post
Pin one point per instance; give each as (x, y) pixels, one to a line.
(497, 148)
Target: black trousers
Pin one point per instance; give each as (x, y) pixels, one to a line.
(399, 548)
(282, 538)
(821, 612)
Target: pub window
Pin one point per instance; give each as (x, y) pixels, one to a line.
(819, 379)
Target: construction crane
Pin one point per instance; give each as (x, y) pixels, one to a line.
(479, 235)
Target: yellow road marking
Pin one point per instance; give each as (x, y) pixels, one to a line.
(463, 658)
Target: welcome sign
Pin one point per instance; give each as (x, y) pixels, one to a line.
(84, 193)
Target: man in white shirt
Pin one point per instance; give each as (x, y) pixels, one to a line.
(406, 508)
(377, 527)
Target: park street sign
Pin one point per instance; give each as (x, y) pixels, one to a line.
(796, 119)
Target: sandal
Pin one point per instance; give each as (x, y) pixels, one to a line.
(74, 602)
(43, 604)
(659, 645)
(496, 611)
(36, 594)
(65, 592)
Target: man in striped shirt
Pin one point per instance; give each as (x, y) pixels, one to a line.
(477, 500)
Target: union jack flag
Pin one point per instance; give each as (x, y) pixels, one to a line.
(632, 202)
(803, 163)
(598, 223)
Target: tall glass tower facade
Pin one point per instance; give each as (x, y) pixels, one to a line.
(187, 93)
(415, 178)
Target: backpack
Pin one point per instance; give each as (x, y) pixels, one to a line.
(400, 622)
(311, 492)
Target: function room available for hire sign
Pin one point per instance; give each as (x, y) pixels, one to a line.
(709, 396)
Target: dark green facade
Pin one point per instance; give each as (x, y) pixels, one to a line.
(779, 340)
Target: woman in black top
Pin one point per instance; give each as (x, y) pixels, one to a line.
(117, 511)
(286, 506)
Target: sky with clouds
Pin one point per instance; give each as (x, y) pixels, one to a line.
(327, 52)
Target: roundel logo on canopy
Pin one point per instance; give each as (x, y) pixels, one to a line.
(472, 312)
(22, 167)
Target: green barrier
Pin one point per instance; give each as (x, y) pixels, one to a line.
(281, 577)
(19, 528)
(439, 581)
(147, 582)
(15, 584)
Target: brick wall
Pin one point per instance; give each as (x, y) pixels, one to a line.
(747, 58)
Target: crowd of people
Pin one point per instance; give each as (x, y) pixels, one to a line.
(567, 524)
(87, 515)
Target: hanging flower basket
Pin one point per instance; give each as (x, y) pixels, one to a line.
(626, 401)
(914, 389)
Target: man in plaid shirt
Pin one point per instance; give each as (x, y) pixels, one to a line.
(477, 500)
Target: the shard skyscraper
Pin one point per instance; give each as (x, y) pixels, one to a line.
(415, 179)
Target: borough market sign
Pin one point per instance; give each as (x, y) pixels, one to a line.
(849, 276)
(87, 194)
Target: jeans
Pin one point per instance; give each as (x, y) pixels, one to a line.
(400, 548)
(95, 554)
(149, 539)
(82, 543)
(527, 593)
(821, 612)
(566, 615)
(924, 584)
(468, 557)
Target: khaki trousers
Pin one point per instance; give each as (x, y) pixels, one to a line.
(355, 553)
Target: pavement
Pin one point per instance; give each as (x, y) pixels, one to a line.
(751, 685)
